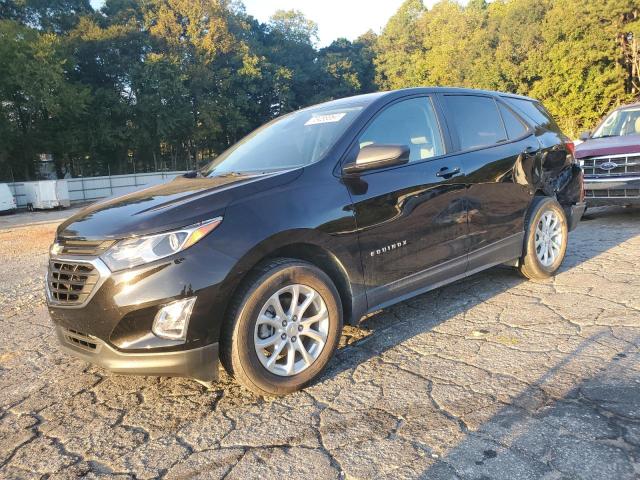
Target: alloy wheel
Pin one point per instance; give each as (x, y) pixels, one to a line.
(291, 330)
(549, 238)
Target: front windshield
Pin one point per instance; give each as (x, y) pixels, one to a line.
(619, 123)
(294, 140)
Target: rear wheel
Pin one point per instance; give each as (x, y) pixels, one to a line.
(546, 240)
(284, 327)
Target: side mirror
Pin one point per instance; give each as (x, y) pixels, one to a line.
(584, 136)
(373, 157)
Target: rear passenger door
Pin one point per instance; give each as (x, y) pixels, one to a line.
(495, 145)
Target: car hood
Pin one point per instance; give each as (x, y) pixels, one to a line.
(178, 203)
(596, 147)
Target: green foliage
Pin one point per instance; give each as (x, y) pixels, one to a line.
(169, 84)
(154, 84)
(349, 66)
(566, 53)
(579, 77)
(57, 16)
(399, 47)
(294, 27)
(36, 100)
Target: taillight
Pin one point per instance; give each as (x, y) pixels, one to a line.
(571, 147)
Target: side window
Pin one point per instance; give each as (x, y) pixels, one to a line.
(515, 127)
(476, 120)
(410, 122)
(534, 111)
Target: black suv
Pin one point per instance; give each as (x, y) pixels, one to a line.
(314, 220)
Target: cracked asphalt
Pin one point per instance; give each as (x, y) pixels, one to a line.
(492, 377)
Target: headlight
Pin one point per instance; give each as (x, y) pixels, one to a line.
(55, 249)
(140, 250)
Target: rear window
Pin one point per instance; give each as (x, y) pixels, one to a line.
(476, 120)
(533, 111)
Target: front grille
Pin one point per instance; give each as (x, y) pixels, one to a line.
(625, 166)
(614, 193)
(83, 247)
(71, 283)
(80, 339)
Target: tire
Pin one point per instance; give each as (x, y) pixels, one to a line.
(253, 318)
(533, 264)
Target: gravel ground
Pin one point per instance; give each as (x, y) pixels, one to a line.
(12, 220)
(489, 378)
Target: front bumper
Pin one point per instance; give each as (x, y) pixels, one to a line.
(121, 306)
(197, 363)
(116, 314)
(612, 190)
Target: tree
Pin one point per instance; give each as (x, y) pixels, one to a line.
(580, 69)
(290, 49)
(151, 84)
(36, 100)
(348, 67)
(58, 16)
(577, 56)
(399, 46)
(452, 44)
(161, 114)
(294, 27)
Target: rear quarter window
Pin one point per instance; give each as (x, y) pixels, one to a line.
(516, 128)
(533, 111)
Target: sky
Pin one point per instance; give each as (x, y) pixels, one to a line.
(335, 18)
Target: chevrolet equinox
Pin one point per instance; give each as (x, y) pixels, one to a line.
(316, 219)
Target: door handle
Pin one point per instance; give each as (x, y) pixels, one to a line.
(446, 172)
(530, 150)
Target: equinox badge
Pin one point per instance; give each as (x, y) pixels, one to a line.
(388, 248)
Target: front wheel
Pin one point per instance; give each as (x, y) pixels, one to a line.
(546, 240)
(284, 327)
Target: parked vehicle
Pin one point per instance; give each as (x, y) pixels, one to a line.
(610, 158)
(312, 221)
(46, 194)
(7, 200)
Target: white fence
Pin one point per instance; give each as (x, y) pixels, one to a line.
(94, 188)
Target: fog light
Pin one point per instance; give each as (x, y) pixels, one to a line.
(172, 320)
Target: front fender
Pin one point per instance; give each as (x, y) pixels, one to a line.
(313, 214)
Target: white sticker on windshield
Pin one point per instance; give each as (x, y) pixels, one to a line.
(331, 118)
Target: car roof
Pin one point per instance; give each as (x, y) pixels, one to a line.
(630, 105)
(369, 98)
